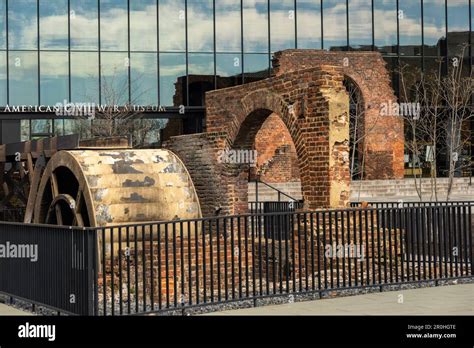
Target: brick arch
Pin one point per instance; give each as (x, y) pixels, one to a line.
(277, 161)
(313, 104)
(385, 143)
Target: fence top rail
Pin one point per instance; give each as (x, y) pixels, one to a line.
(413, 202)
(297, 213)
(243, 216)
(22, 224)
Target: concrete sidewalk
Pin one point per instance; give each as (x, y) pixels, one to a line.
(441, 300)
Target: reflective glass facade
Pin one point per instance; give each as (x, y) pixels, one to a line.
(169, 52)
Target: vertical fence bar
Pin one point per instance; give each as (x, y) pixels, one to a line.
(471, 251)
(429, 239)
(167, 266)
(204, 264)
(190, 258)
(450, 239)
(239, 240)
(112, 280)
(305, 236)
(397, 229)
(354, 225)
(274, 258)
(323, 215)
(423, 238)
(300, 262)
(175, 266)
(378, 246)
(457, 229)
(104, 271)
(344, 246)
(160, 269)
(196, 249)
(337, 246)
(211, 256)
(152, 266)
(318, 245)
(287, 234)
(365, 251)
(120, 271)
(435, 240)
(218, 235)
(359, 247)
(313, 278)
(181, 263)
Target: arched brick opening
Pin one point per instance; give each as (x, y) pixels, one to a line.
(264, 103)
(384, 145)
(357, 127)
(277, 160)
(314, 106)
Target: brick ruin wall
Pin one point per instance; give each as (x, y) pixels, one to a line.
(385, 140)
(312, 104)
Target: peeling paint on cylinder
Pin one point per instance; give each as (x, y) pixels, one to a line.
(133, 186)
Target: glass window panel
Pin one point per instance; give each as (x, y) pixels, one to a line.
(3, 78)
(458, 26)
(143, 32)
(392, 67)
(433, 65)
(200, 77)
(144, 78)
(335, 25)
(3, 24)
(54, 78)
(256, 67)
(228, 33)
(385, 26)
(255, 26)
(58, 126)
(434, 26)
(84, 77)
(114, 25)
(282, 24)
(412, 69)
(22, 24)
(23, 78)
(410, 27)
(81, 127)
(472, 35)
(41, 127)
(172, 78)
(84, 25)
(200, 26)
(114, 78)
(229, 70)
(172, 25)
(201, 64)
(360, 24)
(25, 130)
(53, 24)
(309, 23)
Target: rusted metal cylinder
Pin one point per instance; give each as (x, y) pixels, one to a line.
(103, 188)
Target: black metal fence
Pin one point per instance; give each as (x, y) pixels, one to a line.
(49, 265)
(180, 264)
(406, 204)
